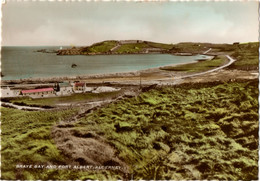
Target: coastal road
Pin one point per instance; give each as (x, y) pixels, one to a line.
(177, 80)
(231, 60)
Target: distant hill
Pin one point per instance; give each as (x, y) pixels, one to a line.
(118, 47)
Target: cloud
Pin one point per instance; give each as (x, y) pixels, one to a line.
(84, 23)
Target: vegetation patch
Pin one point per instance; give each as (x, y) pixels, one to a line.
(26, 140)
(198, 66)
(52, 101)
(188, 47)
(132, 48)
(190, 131)
(185, 132)
(102, 47)
(247, 56)
(159, 45)
(142, 46)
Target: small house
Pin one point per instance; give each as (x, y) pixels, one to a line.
(65, 89)
(79, 86)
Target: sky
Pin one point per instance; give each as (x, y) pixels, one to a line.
(84, 23)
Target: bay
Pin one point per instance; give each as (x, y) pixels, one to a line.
(25, 62)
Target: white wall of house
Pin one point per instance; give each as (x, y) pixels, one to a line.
(65, 91)
(9, 92)
(41, 94)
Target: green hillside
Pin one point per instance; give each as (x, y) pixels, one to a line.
(132, 48)
(101, 47)
(247, 56)
(198, 66)
(106, 47)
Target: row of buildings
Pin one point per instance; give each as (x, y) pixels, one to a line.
(58, 89)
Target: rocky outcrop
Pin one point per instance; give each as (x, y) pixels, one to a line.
(46, 51)
(71, 51)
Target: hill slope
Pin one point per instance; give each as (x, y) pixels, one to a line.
(118, 47)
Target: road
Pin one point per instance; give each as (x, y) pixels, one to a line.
(115, 47)
(207, 51)
(22, 107)
(231, 60)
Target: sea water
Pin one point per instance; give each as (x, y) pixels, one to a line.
(26, 62)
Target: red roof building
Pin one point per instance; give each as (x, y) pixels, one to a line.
(79, 84)
(38, 91)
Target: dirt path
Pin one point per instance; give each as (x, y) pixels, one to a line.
(8, 104)
(115, 47)
(207, 51)
(83, 147)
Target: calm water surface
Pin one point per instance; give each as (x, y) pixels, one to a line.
(24, 62)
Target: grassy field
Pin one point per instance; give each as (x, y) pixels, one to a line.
(26, 140)
(132, 48)
(140, 47)
(159, 45)
(101, 47)
(199, 48)
(198, 66)
(196, 48)
(52, 101)
(247, 56)
(205, 131)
